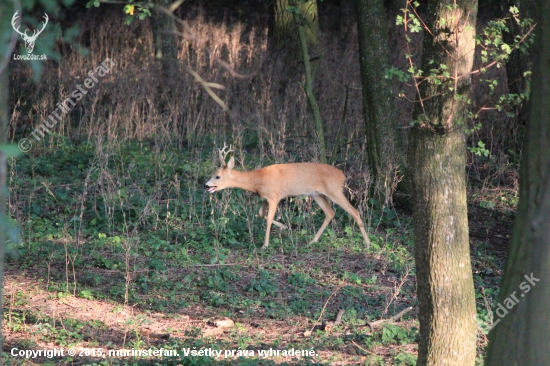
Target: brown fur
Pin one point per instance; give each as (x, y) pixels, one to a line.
(278, 181)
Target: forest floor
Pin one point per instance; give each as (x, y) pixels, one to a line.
(119, 254)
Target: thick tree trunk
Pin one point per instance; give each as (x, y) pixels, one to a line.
(436, 162)
(383, 142)
(520, 336)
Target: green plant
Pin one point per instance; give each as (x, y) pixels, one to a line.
(264, 284)
(394, 334)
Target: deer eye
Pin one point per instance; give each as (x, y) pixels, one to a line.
(218, 177)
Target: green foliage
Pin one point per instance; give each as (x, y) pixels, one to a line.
(300, 280)
(66, 334)
(401, 75)
(393, 334)
(9, 150)
(405, 358)
(138, 10)
(480, 149)
(93, 3)
(410, 19)
(494, 52)
(133, 10)
(491, 39)
(264, 284)
(194, 249)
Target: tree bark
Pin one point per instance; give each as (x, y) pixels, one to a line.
(4, 120)
(518, 63)
(308, 88)
(436, 162)
(383, 140)
(282, 30)
(166, 48)
(521, 335)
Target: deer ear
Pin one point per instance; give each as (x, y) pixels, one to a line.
(231, 163)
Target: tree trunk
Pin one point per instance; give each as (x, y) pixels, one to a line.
(166, 49)
(4, 120)
(520, 336)
(436, 162)
(282, 31)
(518, 63)
(308, 88)
(383, 140)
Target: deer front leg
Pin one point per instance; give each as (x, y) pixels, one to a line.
(270, 214)
(263, 214)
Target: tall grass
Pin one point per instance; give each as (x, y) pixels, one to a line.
(269, 108)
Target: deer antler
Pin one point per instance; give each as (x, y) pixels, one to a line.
(36, 33)
(13, 19)
(223, 154)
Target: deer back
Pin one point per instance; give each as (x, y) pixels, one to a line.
(298, 179)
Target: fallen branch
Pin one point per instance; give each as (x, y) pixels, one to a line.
(329, 325)
(393, 318)
(361, 348)
(307, 333)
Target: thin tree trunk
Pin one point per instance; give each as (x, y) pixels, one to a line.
(518, 63)
(166, 49)
(383, 142)
(308, 88)
(520, 336)
(282, 29)
(4, 120)
(436, 162)
(516, 66)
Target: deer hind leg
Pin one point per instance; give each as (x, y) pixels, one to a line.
(263, 214)
(343, 202)
(270, 214)
(329, 214)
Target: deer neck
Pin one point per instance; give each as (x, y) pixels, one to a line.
(245, 180)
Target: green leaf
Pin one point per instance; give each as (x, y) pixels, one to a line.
(10, 150)
(94, 3)
(399, 20)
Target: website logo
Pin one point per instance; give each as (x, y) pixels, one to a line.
(29, 40)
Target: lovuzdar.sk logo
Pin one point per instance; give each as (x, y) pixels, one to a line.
(29, 39)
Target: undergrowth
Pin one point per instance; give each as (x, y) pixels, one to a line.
(131, 224)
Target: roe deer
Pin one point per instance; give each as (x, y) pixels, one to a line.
(278, 181)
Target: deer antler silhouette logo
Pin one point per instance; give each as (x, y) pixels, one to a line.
(29, 40)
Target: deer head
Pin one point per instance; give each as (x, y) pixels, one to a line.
(29, 40)
(222, 176)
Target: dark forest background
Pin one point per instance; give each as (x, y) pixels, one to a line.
(113, 243)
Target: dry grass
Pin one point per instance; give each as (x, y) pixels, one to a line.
(268, 102)
(125, 104)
